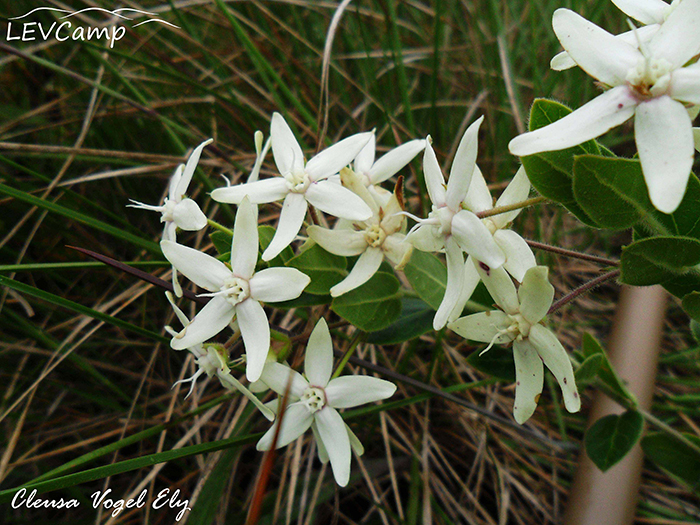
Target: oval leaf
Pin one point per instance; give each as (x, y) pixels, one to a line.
(612, 437)
(428, 277)
(373, 306)
(325, 269)
(674, 456)
(659, 259)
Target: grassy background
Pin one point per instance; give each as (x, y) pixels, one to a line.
(83, 128)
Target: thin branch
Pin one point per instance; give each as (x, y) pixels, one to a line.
(586, 287)
(571, 253)
(511, 207)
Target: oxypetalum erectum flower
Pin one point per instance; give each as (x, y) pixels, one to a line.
(237, 291)
(178, 211)
(212, 360)
(378, 237)
(518, 322)
(313, 402)
(650, 81)
(449, 226)
(301, 183)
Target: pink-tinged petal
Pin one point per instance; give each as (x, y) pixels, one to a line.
(188, 172)
(339, 155)
(470, 281)
(663, 132)
(353, 391)
(597, 52)
(200, 268)
(174, 182)
(285, 148)
(517, 191)
(259, 192)
(529, 380)
(434, 179)
(644, 11)
(463, 166)
(290, 222)
(535, 294)
(685, 84)
(318, 363)
(337, 201)
(365, 158)
(255, 330)
(188, 216)
(331, 430)
(519, 256)
(283, 380)
(678, 39)
(483, 327)
(455, 280)
(478, 195)
(347, 243)
(394, 160)
(591, 120)
(365, 267)
(557, 360)
(500, 286)
(475, 239)
(273, 285)
(295, 421)
(214, 317)
(244, 249)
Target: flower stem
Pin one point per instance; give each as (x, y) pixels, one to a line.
(219, 227)
(510, 207)
(583, 289)
(572, 253)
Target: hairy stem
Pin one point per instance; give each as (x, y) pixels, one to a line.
(510, 207)
(571, 253)
(583, 289)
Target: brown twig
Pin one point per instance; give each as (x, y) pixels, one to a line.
(571, 253)
(586, 287)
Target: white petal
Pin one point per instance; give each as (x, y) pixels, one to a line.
(318, 363)
(259, 192)
(244, 249)
(273, 285)
(453, 288)
(562, 61)
(280, 378)
(255, 330)
(395, 160)
(352, 181)
(322, 452)
(337, 201)
(500, 286)
(178, 313)
(353, 391)
(427, 238)
(200, 268)
(170, 232)
(517, 191)
(365, 158)
(644, 11)
(591, 120)
(397, 250)
(347, 243)
(478, 195)
(174, 182)
(596, 51)
(529, 380)
(483, 327)
(664, 136)
(434, 179)
(188, 216)
(678, 39)
(475, 239)
(339, 155)
(285, 148)
(535, 294)
(331, 430)
(519, 256)
(470, 281)
(357, 447)
(296, 420)
(685, 84)
(365, 267)
(290, 222)
(188, 172)
(557, 360)
(463, 166)
(214, 317)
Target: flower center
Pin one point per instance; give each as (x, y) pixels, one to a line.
(297, 181)
(490, 225)
(444, 215)
(519, 325)
(168, 210)
(314, 398)
(213, 361)
(375, 235)
(651, 77)
(235, 289)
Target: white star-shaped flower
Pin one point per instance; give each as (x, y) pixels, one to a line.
(236, 291)
(301, 183)
(374, 239)
(449, 226)
(650, 81)
(314, 402)
(518, 322)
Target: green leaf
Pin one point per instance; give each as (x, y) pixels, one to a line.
(415, 319)
(373, 306)
(658, 259)
(606, 372)
(428, 277)
(674, 456)
(588, 370)
(265, 235)
(691, 305)
(304, 300)
(695, 330)
(325, 269)
(497, 362)
(612, 437)
(551, 172)
(222, 241)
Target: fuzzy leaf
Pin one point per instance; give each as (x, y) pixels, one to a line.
(612, 437)
(325, 269)
(659, 259)
(415, 319)
(428, 277)
(372, 306)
